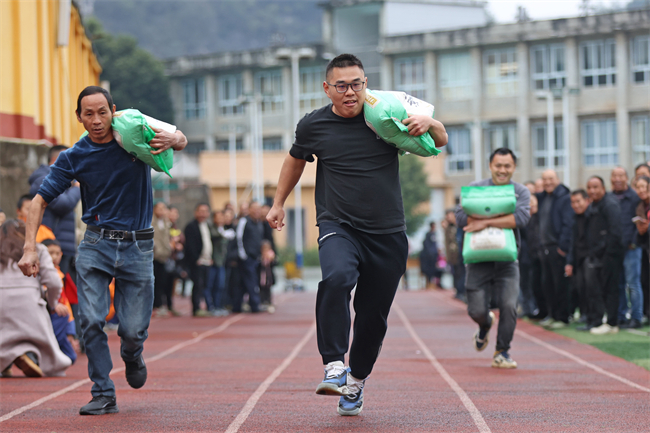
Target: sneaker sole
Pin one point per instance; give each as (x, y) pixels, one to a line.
(331, 389)
(496, 365)
(103, 411)
(354, 412)
(29, 367)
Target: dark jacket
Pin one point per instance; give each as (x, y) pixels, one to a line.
(533, 242)
(628, 205)
(193, 244)
(604, 231)
(59, 214)
(561, 214)
(576, 252)
(249, 238)
(429, 255)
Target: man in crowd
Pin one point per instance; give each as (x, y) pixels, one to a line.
(631, 278)
(118, 207)
(198, 255)
(162, 252)
(555, 223)
(360, 217)
(576, 258)
(499, 279)
(250, 232)
(452, 253)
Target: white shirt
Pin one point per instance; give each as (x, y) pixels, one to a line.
(205, 258)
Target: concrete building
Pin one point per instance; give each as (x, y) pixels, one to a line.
(492, 85)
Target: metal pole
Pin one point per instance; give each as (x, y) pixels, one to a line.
(252, 105)
(260, 152)
(297, 191)
(232, 153)
(550, 130)
(565, 137)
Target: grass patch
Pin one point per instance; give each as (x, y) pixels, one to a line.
(631, 347)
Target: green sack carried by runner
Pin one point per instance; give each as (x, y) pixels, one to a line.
(132, 130)
(488, 201)
(384, 112)
(490, 245)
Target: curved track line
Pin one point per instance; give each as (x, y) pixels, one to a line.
(467, 402)
(253, 399)
(161, 355)
(566, 354)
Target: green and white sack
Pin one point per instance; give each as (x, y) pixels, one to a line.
(490, 245)
(384, 112)
(488, 201)
(132, 130)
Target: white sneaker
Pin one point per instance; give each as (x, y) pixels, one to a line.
(335, 380)
(604, 329)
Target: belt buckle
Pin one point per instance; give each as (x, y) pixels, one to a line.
(116, 235)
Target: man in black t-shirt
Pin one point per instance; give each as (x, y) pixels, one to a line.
(360, 217)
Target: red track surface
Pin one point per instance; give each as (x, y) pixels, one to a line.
(257, 373)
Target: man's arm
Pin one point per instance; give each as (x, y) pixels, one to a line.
(164, 140)
(503, 222)
(29, 263)
(292, 169)
(418, 124)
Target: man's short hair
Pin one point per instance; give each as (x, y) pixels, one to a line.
(48, 242)
(529, 182)
(23, 199)
(201, 204)
(93, 90)
(622, 168)
(503, 151)
(581, 192)
(55, 150)
(643, 164)
(599, 178)
(343, 61)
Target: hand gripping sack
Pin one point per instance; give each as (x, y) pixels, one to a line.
(488, 201)
(384, 112)
(490, 245)
(132, 130)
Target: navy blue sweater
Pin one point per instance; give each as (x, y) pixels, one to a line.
(115, 186)
(59, 214)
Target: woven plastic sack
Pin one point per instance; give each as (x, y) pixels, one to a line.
(132, 130)
(384, 112)
(490, 245)
(488, 201)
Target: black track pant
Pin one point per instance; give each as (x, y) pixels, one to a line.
(375, 264)
(556, 285)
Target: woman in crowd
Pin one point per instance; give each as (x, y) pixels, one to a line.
(642, 186)
(27, 338)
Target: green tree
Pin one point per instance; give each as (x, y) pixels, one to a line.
(415, 191)
(137, 78)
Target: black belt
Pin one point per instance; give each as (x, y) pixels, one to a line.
(120, 235)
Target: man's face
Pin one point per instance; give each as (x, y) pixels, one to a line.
(451, 217)
(531, 188)
(55, 253)
(579, 204)
(642, 189)
(24, 210)
(534, 205)
(350, 103)
(539, 185)
(55, 155)
(202, 213)
(502, 168)
(160, 210)
(218, 219)
(619, 179)
(96, 117)
(255, 211)
(595, 189)
(550, 181)
(642, 171)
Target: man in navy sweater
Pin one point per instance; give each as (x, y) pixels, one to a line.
(118, 207)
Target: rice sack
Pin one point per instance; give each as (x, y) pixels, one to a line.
(491, 244)
(384, 112)
(132, 130)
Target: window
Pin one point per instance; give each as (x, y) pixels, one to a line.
(641, 139)
(501, 72)
(641, 59)
(455, 72)
(459, 150)
(194, 147)
(312, 95)
(598, 61)
(599, 142)
(504, 135)
(540, 145)
(409, 76)
(225, 144)
(269, 85)
(272, 143)
(194, 98)
(230, 89)
(547, 66)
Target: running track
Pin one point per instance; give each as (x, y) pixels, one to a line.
(257, 373)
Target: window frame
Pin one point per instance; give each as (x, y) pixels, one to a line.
(560, 153)
(608, 58)
(636, 68)
(597, 151)
(312, 78)
(455, 89)
(499, 128)
(455, 158)
(413, 88)
(194, 106)
(501, 85)
(271, 102)
(230, 107)
(640, 146)
(550, 60)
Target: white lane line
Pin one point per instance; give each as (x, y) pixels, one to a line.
(167, 352)
(581, 361)
(252, 401)
(467, 402)
(565, 353)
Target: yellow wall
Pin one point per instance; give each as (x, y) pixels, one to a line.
(39, 80)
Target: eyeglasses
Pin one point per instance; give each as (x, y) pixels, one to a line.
(357, 86)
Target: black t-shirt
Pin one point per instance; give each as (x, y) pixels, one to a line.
(357, 176)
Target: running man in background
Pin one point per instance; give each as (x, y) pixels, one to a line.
(118, 243)
(360, 217)
(501, 279)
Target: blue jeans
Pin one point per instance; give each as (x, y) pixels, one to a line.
(131, 264)
(631, 278)
(216, 284)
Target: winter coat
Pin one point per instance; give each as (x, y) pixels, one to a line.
(561, 214)
(451, 245)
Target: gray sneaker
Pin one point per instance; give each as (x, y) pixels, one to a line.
(503, 360)
(335, 381)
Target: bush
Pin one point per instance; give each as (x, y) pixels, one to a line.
(288, 254)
